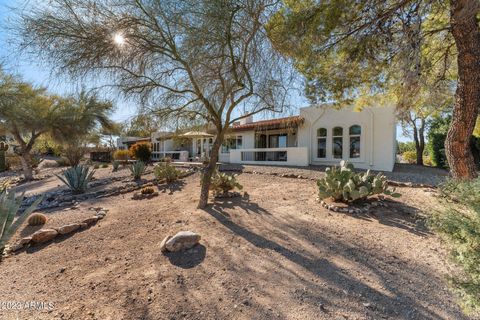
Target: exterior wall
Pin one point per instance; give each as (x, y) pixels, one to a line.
(296, 156)
(377, 139)
(248, 142)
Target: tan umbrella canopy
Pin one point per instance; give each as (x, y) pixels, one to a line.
(196, 134)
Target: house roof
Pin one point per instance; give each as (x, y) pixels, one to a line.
(279, 123)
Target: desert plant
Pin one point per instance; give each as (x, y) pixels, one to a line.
(37, 219)
(74, 154)
(3, 160)
(96, 166)
(148, 190)
(166, 159)
(115, 165)
(77, 178)
(344, 184)
(409, 156)
(104, 165)
(121, 155)
(458, 222)
(9, 206)
(223, 183)
(137, 169)
(141, 151)
(62, 162)
(167, 171)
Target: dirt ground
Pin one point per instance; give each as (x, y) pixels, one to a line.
(273, 254)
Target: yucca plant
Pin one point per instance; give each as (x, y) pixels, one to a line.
(77, 178)
(223, 183)
(9, 206)
(137, 169)
(344, 184)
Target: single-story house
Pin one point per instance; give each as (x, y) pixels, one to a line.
(124, 143)
(319, 135)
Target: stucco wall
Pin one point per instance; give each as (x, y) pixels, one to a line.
(377, 137)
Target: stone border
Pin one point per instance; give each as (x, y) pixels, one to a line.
(46, 235)
(365, 207)
(299, 176)
(227, 195)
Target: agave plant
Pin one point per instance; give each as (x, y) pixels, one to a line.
(115, 165)
(9, 206)
(138, 169)
(77, 178)
(344, 184)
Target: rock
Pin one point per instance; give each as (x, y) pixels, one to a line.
(163, 243)
(90, 220)
(25, 240)
(15, 247)
(83, 225)
(44, 235)
(68, 228)
(182, 240)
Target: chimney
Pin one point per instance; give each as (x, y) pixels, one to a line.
(246, 120)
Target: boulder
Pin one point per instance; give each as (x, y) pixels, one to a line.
(44, 235)
(68, 228)
(182, 240)
(163, 243)
(25, 240)
(90, 220)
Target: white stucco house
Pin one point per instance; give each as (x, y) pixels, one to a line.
(319, 135)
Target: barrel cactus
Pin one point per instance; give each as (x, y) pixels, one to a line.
(37, 219)
(3, 159)
(345, 185)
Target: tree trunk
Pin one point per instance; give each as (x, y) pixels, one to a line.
(209, 170)
(26, 160)
(420, 142)
(466, 33)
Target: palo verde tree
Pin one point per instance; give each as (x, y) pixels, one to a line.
(201, 59)
(346, 48)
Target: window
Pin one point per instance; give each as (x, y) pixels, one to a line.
(322, 143)
(355, 132)
(277, 141)
(337, 142)
(232, 143)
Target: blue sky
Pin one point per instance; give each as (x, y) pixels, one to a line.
(32, 72)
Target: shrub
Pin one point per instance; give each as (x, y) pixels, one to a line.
(459, 224)
(74, 154)
(222, 183)
(121, 155)
(115, 165)
(137, 169)
(148, 190)
(166, 171)
(346, 185)
(105, 165)
(13, 162)
(77, 178)
(410, 156)
(62, 162)
(96, 166)
(37, 219)
(141, 151)
(9, 206)
(406, 146)
(166, 159)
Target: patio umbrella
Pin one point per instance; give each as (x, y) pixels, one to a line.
(196, 134)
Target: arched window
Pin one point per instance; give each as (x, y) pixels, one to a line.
(355, 133)
(322, 143)
(337, 142)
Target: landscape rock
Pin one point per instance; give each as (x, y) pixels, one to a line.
(163, 243)
(68, 228)
(182, 240)
(90, 220)
(44, 235)
(25, 240)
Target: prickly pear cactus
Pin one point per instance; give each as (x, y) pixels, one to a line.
(344, 184)
(3, 151)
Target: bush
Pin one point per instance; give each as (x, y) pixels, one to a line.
(459, 224)
(410, 156)
(343, 184)
(222, 183)
(62, 162)
(115, 165)
(141, 151)
(121, 155)
(96, 166)
(137, 169)
(166, 171)
(74, 154)
(13, 162)
(104, 165)
(77, 178)
(9, 206)
(406, 146)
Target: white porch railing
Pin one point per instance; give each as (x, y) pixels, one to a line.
(174, 155)
(294, 156)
